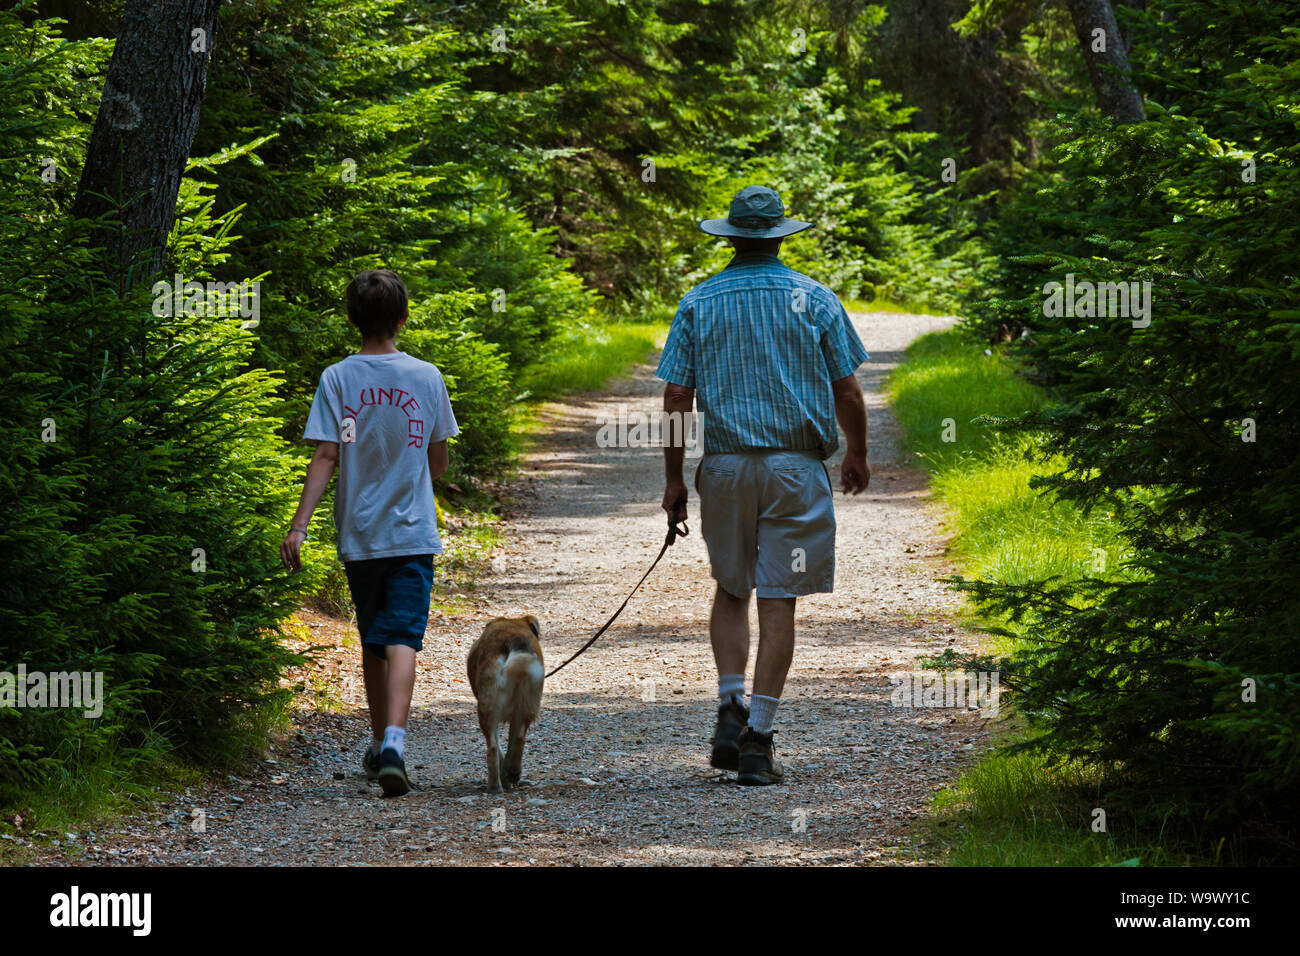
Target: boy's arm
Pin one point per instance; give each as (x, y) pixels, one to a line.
(438, 458)
(319, 473)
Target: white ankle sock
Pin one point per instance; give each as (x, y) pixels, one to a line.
(762, 711)
(395, 738)
(731, 685)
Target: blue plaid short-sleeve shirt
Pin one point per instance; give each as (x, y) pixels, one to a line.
(761, 344)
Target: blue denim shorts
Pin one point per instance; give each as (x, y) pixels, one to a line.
(391, 596)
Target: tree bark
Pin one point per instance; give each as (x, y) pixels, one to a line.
(1108, 69)
(146, 124)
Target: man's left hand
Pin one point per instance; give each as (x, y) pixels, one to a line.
(855, 474)
(675, 501)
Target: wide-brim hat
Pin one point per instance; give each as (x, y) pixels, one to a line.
(756, 213)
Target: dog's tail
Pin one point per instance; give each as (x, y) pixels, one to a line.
(523, 675)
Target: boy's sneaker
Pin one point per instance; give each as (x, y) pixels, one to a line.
(732, 718)
(370, 762)
(758, 766)
(392, 773)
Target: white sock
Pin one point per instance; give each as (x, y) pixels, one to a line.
(731, 685)
(762, 711)
(395, 738)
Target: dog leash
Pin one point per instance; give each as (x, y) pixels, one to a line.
(673, 534)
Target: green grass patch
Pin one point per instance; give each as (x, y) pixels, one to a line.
(469, 538)
(1012, 809)
(588, 353)
(1009, 809)
(1003, 529)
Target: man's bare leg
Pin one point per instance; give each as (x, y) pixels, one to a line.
(775, 645)
(756, 760)
(729, 632)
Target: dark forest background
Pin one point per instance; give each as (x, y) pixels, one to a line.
(554, 157)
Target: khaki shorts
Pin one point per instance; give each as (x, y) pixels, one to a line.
(768, 519)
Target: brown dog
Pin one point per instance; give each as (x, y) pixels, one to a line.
(506, 673)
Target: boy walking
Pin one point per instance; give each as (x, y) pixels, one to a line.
(383, 417)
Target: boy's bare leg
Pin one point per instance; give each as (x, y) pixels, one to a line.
(729, 632)
(401, 684)
(775, 645)
(375, 671)
(389, 685)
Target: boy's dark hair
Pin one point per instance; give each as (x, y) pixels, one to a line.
(376, 303)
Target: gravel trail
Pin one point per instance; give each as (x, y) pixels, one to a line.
(616, 771)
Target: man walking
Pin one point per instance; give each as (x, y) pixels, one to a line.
(771, 354)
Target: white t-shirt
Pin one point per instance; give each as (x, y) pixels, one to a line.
(384, 411)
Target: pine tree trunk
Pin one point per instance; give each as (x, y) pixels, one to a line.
(1108, 69)
(146, 124)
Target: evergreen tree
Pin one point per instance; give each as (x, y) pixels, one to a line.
(1181, 674)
